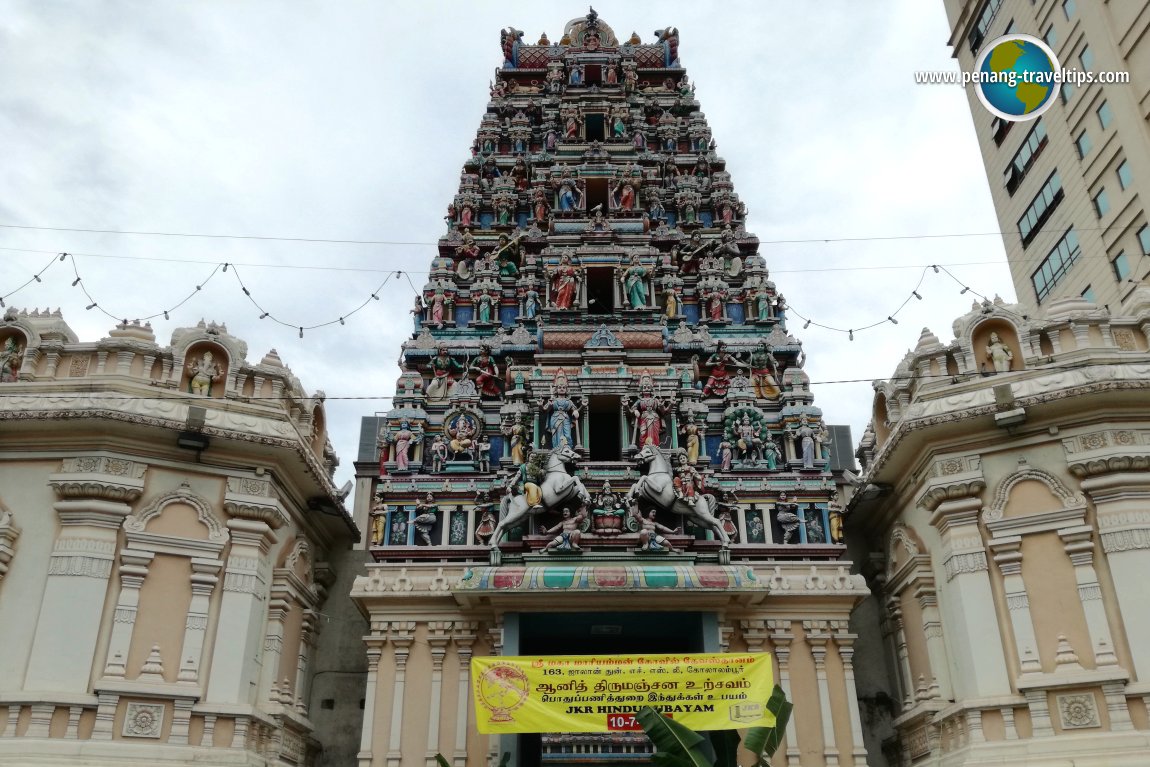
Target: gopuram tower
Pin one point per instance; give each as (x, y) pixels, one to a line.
(602, 439)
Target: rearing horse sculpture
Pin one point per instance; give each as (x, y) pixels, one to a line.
(557, 488)
(657, 487)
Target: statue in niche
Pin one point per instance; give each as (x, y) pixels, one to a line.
(805, 443)
(749, 440)
(714, 298)
(438, 453)
(483, 310)
(649, 529)
(487, 380)
(691, 254)
(378, 519)
(761, 303)
(771, 452)
(564, 283)
(462, 431)
(489, 172)
(485, 509)
(401, 441)
(655, 210)
(647, 413)
(726, 455)
(764, 372)
(634, 279)
(639, 140)
(692, 438)
(626, 191)
(521, 173)
(572, 122)
(539, 205)
(607, 518)
(465, 255)
(444, 368)
(999, 354)
(815, 532)
(202, 373)
(507, 252)
(531, 303)
(619, 123)
(519, 438)
(483, 454)
(426, 512)
(575, 75)
(729, 251)
(417, 312)
(569, 532)
(787, 515)
(611, 75)
(835, 513)
(562, 412)
(568, 196)
(630, 77)
(437, 305)
(12, 356)
(671, 302)
(720, 378)
(728, 506)
(688, 482)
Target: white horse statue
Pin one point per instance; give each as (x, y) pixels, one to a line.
(557, 489)
(657, 487)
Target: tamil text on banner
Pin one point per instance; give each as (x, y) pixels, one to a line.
(600, 693)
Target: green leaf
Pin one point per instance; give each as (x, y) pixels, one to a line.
(503, 760)
(441, 761)
(726, 746)
(677, 745)
(763, 742)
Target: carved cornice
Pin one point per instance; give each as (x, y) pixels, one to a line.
(109, 479)
(182, 494)
(949, 491)
(1104, 452)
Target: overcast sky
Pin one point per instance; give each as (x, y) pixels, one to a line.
(350, 121)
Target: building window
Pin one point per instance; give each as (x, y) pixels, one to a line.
(1125, 175)
(1087, 59)
(1020, 165)
(1001, 128)
(985, 17)
(1101, 203)
(1009, 27)
(1088, 294)
(1051, 37)
(1040, 208)
(1068, 8)
(1144, 239)
(1121, 265)
(1067, 92)
(1105, 116)
(1083, 144)
(1056, 264)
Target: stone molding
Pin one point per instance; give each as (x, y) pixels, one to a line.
(100, 477)
(959, 563)
(136, 523)
(997, 508)
(1106, 451)
(9, 532)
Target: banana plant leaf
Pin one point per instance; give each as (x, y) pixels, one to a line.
(726, 746)
(763, 742)
(676, 745)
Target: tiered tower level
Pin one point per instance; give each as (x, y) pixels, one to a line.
(598, 305)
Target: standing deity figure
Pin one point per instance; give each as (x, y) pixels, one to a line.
(417, 312)
(714, 299)
(483, 309)
(202, 373)
(12, 355)
(720, 378)
(726, 454)
(805, 443)
(688, 482)
(771, 452)
(539, 205)
(426, 512)
(639, 140)
(671, 302)
(465, 255)
(764, 372)
(562, 412)
(438, 453)
(692, 438)
(750, 441)
(575, 76)
(762, 303)
(626, 192)
(483, 454)
(531, 303)
(635, 284)
(649, 529)
(518, 438)
(787, 515)
(728, 506)
(443, 371)
(999, 354)
(551, 141)
(520, 172)
(564, 283)
(401, 441)
(487, 379)
(569, 531)
(507, 253)
(378, 520)
(567, 196)
(437, 303)
(835, 513)
(611, 76)
(647, 412)
(485, 509)
(729, 251)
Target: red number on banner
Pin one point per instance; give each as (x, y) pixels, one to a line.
(622, 722)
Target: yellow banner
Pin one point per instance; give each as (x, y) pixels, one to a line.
(601, 693)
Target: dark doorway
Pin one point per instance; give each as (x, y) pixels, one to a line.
(603, 424)
(596, 194)
(600, 290)
(594, 128)
(592, 74)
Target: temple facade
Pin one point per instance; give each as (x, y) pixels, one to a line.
(602, 438)
(168, 535)
(1002, 523)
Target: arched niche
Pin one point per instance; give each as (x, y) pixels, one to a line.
(318, 430)
(13, 347)
(986, 349)
(951, 364)
(881, 419)
(205, 369)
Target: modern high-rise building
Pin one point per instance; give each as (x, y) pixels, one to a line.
(1071, 188)
(602, 438)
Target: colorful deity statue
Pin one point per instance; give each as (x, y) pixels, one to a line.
(567, 194)
(507, 252)
(647, 415)
(444, 369)
(634, 279)
(692, 438)
(426, 515)
(11, 357)
(720, 378)
(564, 283)
(562, 412)
(487, 379)
(764, 372)
(519, 438)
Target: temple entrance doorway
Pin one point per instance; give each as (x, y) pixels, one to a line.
(603, 425)
(600, 290)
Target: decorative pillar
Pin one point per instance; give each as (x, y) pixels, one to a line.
(437, 639)
(902, 654)
(495, 633)
(781, 639)
(463, 635)
(204, 582)
(239, 628)
(400, 634)
(844, 641)
(1008, 557)
(375, 644)
(273, 645)
(817, 640)
(935, 647)
(133, 571)
(1079, 544)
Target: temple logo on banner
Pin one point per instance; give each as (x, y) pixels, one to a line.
(601, 693)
